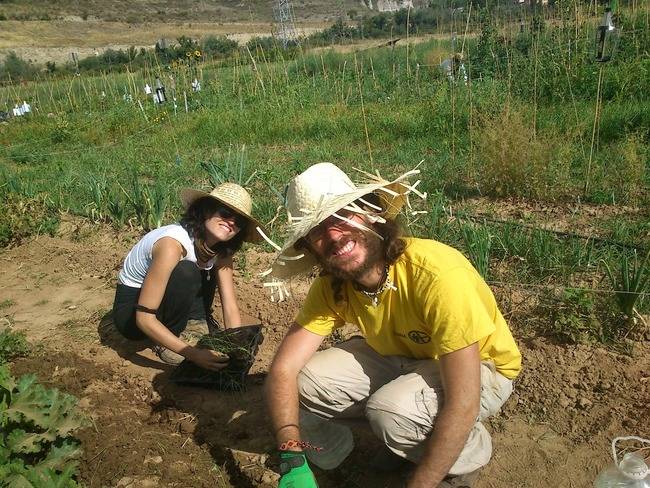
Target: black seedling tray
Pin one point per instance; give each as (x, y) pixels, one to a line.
(240, 344)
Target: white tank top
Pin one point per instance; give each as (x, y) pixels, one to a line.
(138, 260)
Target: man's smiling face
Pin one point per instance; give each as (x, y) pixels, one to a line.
(343, 249)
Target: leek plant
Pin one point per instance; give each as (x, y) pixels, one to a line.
(116, 208)
(98, 189)
(234, 168)
(631, 284)
(156, 200)
(478, 242)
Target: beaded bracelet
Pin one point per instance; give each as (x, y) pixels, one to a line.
(285, 446)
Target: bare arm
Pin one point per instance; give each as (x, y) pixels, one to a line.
(226, 286)
(166, 254)
(281, 386)
(461, 381)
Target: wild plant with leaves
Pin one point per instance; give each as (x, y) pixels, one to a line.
(36, 427)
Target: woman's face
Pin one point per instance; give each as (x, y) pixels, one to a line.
(223, 225)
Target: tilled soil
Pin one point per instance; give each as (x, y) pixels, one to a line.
(569, 402)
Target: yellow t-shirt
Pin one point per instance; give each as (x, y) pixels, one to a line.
(440, 304)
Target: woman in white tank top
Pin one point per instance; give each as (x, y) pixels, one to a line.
(171, 266)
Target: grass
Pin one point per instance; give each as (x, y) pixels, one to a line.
(521, 128)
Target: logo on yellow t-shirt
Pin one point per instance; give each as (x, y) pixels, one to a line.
(419, 337)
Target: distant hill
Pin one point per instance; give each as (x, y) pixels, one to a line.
(51, 30)
(137, 11)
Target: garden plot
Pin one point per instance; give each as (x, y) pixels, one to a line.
(146, 431)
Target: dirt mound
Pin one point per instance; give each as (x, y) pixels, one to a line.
(555, 431)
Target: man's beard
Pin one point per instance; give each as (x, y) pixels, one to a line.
(374, 255)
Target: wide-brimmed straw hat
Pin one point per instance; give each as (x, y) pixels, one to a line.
(320, 192)
(235, 198)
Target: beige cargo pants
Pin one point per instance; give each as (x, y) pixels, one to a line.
(399, 396)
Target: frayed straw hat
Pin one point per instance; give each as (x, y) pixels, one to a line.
(321, 191)
(235, 198)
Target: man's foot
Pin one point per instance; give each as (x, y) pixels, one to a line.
(167, 356)
(461, 480)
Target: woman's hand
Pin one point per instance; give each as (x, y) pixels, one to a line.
(207, 358)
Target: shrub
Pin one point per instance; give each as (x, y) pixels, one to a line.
(513, 161)
(16, 68)
(109, 59)
(219, 46)
(21, 217)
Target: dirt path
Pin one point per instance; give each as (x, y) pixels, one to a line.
(555, 431)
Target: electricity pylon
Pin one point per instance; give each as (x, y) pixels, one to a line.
(284, 20)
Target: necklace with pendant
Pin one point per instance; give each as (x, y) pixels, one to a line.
(374, 295)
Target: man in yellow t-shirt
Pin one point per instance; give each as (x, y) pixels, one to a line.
(436, 356)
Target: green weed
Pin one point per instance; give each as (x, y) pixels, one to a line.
(12, 345)
(573, 316)
(515, 161)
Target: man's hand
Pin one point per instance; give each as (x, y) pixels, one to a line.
(295, 471)
(207, 359)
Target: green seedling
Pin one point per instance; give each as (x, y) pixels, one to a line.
(239, 344)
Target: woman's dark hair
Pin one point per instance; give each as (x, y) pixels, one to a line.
(193, 221)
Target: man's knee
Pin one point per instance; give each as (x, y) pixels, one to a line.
(325, 397)
(315, 395)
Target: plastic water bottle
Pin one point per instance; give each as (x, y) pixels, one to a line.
(631, 472)
(335, 440)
